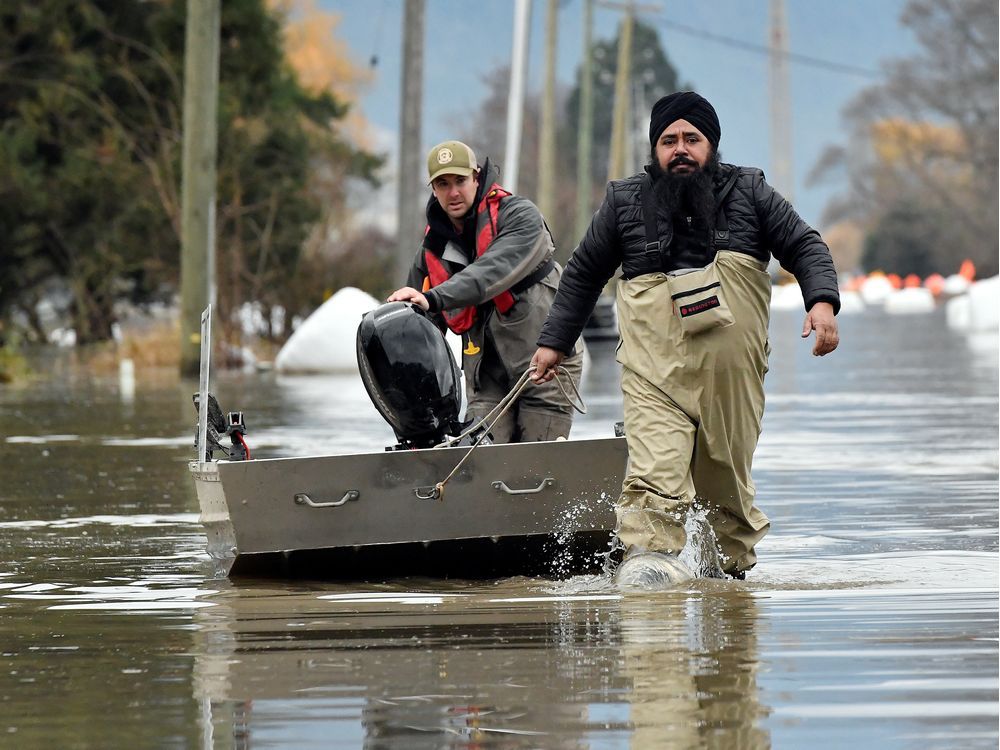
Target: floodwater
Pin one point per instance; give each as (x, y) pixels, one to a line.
(870, 621)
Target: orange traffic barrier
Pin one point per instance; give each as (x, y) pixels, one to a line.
(967, 270)
(912, 281)
(897, 283)
(934, 284)
(854, 283)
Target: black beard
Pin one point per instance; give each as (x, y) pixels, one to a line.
(688, 194)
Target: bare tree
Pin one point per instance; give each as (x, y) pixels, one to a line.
(921, 161)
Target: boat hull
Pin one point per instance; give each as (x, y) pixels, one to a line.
(515, 496)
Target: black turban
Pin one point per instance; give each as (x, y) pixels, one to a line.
(684, 105)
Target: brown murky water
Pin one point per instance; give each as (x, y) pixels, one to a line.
(871, 621)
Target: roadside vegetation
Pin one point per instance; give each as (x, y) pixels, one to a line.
(90, 149)
(920, 155)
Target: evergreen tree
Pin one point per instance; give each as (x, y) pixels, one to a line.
(90, 141)
(653, 76)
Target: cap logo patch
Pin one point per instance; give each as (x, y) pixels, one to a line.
(445, 156)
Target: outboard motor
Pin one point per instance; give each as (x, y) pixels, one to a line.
(410, 374)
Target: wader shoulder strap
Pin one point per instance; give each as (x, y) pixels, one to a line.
(533, 278)
(649, 215)
(720, 237)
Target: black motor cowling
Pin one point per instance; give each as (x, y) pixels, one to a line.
(409, 373)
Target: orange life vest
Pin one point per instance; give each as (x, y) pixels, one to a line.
(462, 320)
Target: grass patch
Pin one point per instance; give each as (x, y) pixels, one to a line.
(13, 365)
(150, 346)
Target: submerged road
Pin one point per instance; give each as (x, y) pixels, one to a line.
(870, 622)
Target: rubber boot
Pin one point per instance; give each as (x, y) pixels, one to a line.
(651, 570)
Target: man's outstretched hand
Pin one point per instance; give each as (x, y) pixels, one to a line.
(821, 319)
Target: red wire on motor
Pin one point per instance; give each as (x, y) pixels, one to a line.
(243, 442)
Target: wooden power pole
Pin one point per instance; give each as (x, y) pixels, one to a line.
(621, 130)
(781, 110)
(201, 96)
(409, 212)
(585, 126)
(547, 143)
(623, 90)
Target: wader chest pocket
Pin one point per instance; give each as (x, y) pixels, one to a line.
(699, 299)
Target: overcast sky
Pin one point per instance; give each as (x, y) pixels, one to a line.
(710, 43)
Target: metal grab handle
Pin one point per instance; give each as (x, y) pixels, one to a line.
(432, 493)
(500, 485)
(302, 498)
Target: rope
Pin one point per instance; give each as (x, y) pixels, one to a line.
(578, 404)
(502, 408)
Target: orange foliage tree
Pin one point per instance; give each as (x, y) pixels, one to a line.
(921, 164)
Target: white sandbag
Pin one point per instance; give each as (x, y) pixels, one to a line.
(955, 284)
(787, 297)
(958, 313)
(910, 301)
(876, 289)
(326, 340)
(851, 302)
(978, 310)
(984, 303)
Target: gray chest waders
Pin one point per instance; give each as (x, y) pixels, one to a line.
(505, 345)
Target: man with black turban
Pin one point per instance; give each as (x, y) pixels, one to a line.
(693, 237)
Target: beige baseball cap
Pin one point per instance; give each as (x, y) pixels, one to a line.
(451, 157)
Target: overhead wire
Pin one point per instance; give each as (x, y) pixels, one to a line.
(762, 49)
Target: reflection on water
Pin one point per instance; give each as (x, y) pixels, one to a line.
(871, 620)
(479, 667)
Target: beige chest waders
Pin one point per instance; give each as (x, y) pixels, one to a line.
(693, 407)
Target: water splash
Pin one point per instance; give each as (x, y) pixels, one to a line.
(561, 552)
(701, 552)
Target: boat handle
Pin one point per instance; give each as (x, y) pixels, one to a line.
(501, 485)
(302, 498)
(428, 493)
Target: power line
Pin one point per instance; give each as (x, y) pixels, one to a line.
(762, 49)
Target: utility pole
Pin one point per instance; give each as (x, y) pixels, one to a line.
(547, 143)
(618, 162)
(201, 96)
(636, 157)
(585, 125)
(623, 89)
(409, 217)
(515, 98)
(781, 111)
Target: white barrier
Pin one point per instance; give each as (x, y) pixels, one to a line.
(910, 301)
(326, 340)
(978, 310)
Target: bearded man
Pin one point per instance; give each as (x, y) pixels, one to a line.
(693, 237)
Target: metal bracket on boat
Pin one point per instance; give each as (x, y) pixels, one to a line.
(302, 498)
(204, 452)
(501, 485)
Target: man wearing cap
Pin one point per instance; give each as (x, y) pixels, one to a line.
(486, 270)
(693, 237)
